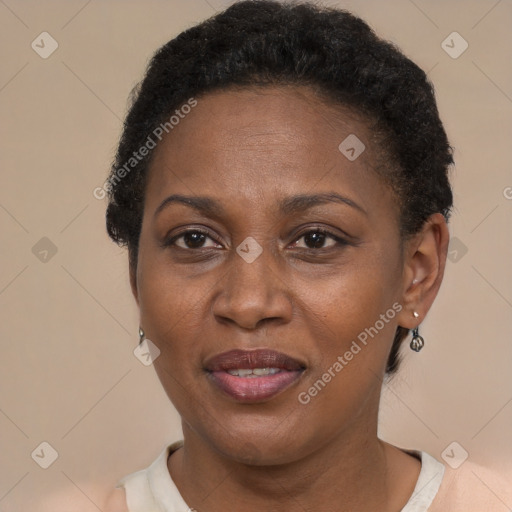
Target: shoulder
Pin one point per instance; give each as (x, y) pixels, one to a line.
(116, 501)
(473, 487)
(136, 484)
(97, 497)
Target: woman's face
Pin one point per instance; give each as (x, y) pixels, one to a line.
(264, 287)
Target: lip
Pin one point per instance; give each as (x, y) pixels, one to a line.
(253, 389)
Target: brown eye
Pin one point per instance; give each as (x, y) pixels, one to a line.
(316, 239)
(192, 239)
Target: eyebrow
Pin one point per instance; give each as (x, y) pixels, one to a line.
(290, 205)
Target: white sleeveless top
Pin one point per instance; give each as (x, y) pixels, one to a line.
(153, 490)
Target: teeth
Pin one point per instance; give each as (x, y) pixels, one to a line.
(255, 372)
(265, 371)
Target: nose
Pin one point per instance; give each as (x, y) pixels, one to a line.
(252, 294)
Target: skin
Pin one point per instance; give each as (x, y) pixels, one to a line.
(248, 149)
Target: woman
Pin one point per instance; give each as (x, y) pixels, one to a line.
(282, 187)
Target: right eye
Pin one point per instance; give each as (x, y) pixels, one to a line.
(191, 239)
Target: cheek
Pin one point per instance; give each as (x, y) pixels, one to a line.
(352, 339)
(351, 317)
(170, 311)
(173, 310)
(351, 297)
(168, 294)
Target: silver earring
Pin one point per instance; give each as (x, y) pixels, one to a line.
(417, 341)
(141, 335)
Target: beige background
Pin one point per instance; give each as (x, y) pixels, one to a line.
(69, 325)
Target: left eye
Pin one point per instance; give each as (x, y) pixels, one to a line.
(315, 239)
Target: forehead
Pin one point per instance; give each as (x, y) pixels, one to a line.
(263, 143)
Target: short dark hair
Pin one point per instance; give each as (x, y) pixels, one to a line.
(263, 42)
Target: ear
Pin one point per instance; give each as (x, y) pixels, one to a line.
(424, 264)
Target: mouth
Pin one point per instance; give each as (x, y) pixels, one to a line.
(253, 376)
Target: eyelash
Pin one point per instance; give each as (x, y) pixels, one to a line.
(339, 241)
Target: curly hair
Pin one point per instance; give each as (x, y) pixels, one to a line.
(265, 42)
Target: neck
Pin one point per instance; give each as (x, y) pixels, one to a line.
(351, 472)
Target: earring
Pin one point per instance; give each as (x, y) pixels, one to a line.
(417, 341)
(141, 335)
